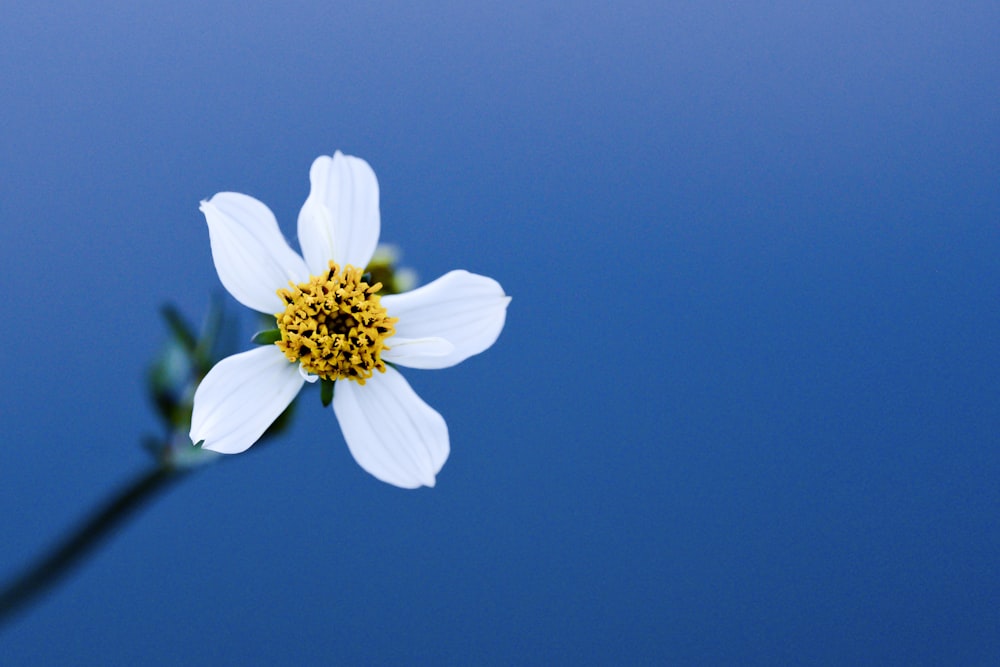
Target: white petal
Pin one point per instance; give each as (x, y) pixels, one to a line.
(465, 309)
(251, 256)
(416, 349)
(340, 219)
(390, 431)
(241, 396)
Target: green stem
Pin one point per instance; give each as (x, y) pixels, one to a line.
(94, 530)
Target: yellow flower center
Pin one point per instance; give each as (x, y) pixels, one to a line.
(334, 325)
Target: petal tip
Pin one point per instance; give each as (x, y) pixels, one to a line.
(216, 449)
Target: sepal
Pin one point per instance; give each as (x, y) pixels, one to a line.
(267, 337)
(326, 392)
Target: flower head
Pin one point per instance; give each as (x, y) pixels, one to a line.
(334, 326)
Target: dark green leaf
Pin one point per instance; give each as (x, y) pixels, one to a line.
(179, 327)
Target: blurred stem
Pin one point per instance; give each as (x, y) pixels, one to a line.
(91, 533)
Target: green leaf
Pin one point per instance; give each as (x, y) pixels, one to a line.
(204, 354)
(181, 330)
(326, 392)
(268, 337)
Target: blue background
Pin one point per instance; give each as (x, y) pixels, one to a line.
(745, 407)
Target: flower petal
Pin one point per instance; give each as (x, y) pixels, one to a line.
(241, 396)
(340, 219)
(390, 431)
(416, 349)
(465, 309)
(251, 256)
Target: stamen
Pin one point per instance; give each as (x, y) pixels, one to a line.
(334, 325)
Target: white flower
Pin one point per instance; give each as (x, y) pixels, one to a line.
(335, 327)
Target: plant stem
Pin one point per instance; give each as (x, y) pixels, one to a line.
(98, 527)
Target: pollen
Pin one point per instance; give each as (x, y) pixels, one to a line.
(334, 325)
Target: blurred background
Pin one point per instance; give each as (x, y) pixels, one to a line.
(744, 410)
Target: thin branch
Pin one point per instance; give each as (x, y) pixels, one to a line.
(94, 530)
